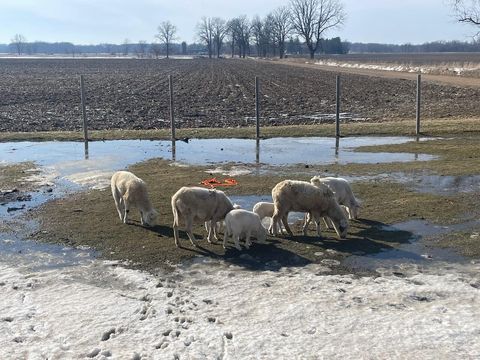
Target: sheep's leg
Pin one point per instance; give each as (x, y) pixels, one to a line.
(317, 224)
(237, 242)
(225, 236)
(272, 229)
(247, 239)
(175, 232)
(142, 221)
(217, 230)
(306, 222)
(211, 230)
(188, 228)
(351, 215)
(118, 202)
(126, 206)
(328, 222)
(285, 224)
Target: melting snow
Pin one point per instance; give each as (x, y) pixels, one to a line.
(212, 310)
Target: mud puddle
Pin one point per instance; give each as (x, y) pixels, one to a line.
(413, 252)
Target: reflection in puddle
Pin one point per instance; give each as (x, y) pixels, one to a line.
(413, 251)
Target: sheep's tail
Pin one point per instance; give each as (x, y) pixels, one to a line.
(175, 211)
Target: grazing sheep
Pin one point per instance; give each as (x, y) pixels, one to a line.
(265, 209)
(319, 201)
(218, 226)
(129, 190)
(239, 223)
(196, 204)
(343, 193)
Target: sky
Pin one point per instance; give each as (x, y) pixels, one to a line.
(113, 21)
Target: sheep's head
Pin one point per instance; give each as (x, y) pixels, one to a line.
(354, 211)
(151, 217)
(262, 235)
(341, 228)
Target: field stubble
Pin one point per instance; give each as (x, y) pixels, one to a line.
(43, 95)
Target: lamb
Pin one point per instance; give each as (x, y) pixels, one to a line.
(218, 226)
(343, 193)
(265, 209)
(240, 222)
(319, 201)
(191, 204)
(129, 190)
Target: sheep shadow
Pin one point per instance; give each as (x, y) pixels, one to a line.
(262, 257)
(366, 237)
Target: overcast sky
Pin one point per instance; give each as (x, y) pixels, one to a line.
(101, 21)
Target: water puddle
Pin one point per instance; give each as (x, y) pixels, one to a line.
(35, 256)
(413, 251)
(438, 184)
(68, 167)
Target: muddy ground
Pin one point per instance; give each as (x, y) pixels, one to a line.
(89, 218)
(43, 94)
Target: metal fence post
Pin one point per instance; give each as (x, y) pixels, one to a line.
(172, 120)
(419, 96)
(337, 112)
(257, 107)
(84, 111)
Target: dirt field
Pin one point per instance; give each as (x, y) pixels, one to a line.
(41, 95)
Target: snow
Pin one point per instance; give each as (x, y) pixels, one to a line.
(424, 69)
(212, 310)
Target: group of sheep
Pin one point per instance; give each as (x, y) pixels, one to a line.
(330, 199)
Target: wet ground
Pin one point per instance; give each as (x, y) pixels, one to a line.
(69, 167)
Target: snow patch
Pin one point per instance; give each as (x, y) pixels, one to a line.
(213, 309)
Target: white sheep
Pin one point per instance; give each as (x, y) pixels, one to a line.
(343, 193)
(239, 223)
(129, 190)
(301, 196)
(265, 209)
(218, 225)
(196, 204)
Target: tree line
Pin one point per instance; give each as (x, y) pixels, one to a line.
(298, 28)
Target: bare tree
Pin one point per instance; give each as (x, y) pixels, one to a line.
(219, 29)
(205, 34)
(281, 27)
(141, 48)
(126, 45)
(18, 41)
(467, 11)
(243, 33)
(232, 32)
(258, 34)
(311, 18)
(156, 50)
(166, 34)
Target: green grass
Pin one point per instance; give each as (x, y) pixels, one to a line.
(433, 127)
(89, 218)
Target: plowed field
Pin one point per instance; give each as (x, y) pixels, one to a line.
(44, 94)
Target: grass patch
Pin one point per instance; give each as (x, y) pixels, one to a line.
(14, 175)
(90, 218)
(432, 127)
(466, 242)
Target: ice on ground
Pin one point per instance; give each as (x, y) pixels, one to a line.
(424, 69)
(212, 310)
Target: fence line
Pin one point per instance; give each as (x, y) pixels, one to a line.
(419, 99)
(257, 107)
(337, 107)
(338, 94)
(84, 111)
(172, 119)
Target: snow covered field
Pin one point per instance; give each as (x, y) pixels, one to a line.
(424, 69)
(213, 310)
